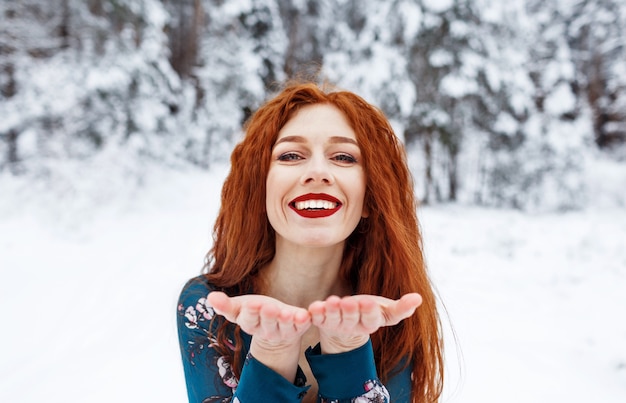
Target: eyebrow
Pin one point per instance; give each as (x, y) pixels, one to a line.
(333, 140)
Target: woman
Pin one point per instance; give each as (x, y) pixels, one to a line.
(316, 287)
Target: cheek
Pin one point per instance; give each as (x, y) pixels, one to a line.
(270, 190)
(269, 202)
(268, 187)
(359, 186)
(273, 197)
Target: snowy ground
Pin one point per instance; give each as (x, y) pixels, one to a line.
(88, 294)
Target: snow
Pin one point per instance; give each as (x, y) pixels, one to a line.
(561, 100)
(534, 300)
(440, 58)
(90, 274)
(437, 5)
(88, 301)
(457, 86)
(412, 18)
(505, 123)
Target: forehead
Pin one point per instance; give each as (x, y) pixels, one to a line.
(315, 121)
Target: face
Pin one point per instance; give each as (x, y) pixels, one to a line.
(315, 184)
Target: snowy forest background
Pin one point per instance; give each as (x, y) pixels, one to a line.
(117, 118)
(500, 103)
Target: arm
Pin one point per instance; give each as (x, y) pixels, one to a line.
(351, 377)
(343, 362)
(207, 375)
(348, 377)
(271, 372)
(276, 328)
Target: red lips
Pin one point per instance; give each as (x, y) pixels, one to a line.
(315, 212)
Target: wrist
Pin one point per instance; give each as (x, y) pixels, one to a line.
(337, 345)
(281, 357)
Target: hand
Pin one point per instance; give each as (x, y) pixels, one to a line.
(258, 315)
(346, 323)
(276, 328)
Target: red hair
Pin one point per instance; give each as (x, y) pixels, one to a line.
(384, 254)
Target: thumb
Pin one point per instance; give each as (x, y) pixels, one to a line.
(223, 304)
(408, 304)
(402, 308)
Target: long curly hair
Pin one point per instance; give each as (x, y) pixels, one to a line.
(383, 255)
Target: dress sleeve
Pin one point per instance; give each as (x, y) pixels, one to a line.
(347, 377)
(351, 377)
(208, 375)
(261, 384)
(399, 385)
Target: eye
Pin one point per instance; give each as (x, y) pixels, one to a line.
(345, 158)
(289, 157)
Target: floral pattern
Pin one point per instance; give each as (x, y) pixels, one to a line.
(375, 392)
(198, 317)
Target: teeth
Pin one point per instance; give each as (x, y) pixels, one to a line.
(315, 204)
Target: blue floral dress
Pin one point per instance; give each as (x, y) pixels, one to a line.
(342, 378)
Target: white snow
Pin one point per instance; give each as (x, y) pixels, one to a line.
(535, 301)
(561, 100)
(505, 123)
(88, 289)
(437, 5)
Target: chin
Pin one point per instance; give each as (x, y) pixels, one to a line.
(318, 241)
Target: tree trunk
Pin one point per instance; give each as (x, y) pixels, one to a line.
(9, 89)
(184, 35)
(12, 156)
(428, 173)
(453, 177)
(64, 26)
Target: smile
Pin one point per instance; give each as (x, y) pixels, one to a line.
(315, 205)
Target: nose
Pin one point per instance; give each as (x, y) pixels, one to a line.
(318, 170)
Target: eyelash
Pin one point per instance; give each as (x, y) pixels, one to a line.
(344, 158)
(289, 157)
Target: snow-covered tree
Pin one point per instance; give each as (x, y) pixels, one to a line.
(240, 59)
(499, 103)
(447, 61)
(596, 31)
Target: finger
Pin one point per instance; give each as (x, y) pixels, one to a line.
(224, 305)
(292, 322)
(269, 321)
(410, 302)
(302, 320)
(332, 312)
(317, 311)
(249, 316)
(350, 314)
(402, 308)
(287, 323)
(371, 315)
